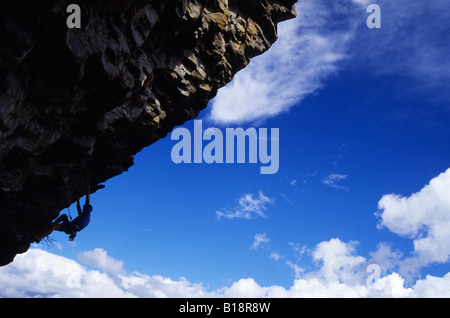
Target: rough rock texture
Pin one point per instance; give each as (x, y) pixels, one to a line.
(77, 104)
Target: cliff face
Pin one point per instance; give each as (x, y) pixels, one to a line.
(77, 104)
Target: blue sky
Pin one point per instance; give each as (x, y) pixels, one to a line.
(363, 118)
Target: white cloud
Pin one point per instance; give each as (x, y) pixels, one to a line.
(99, 258)
(392, 285)
(332, 180)
(247, 208)
(38, 273)
(313, 47)
(275, 256)
(307, 52)
(259, 240)
(298, 249)
(339, 262)
(244, 288)
(424, 216)
(388, 286)
(142, 285)
(340, 272)
(433, 287)
(41, 274)
(296, 268)
(385, 258)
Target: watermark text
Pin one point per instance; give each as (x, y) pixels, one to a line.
(236, 140)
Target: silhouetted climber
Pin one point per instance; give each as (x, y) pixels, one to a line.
(71, 228)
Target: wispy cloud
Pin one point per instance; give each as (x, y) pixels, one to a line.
(259, 240)
(332, 180)
(298, 249)
(412, 41)
(296, 268)
(248, 207)
(275, 256)
(307, 52)
(287, 199)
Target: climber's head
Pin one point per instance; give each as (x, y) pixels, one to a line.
(72, 236)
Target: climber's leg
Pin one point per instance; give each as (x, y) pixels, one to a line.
(56, 225)
(61, 223)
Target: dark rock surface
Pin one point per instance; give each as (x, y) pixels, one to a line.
(77, 104)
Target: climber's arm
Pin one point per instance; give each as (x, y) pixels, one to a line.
(79, 207)
(88, 196)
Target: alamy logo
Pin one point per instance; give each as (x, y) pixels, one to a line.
(374, 19)
(235, 146)
(74, 19)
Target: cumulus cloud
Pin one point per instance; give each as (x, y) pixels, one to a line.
(41, 274)
(307, 52)
(247, 208)
(99, 258)
(332, 180)
(339, 261)
(433, 287)
(38, 273)
(423, 216)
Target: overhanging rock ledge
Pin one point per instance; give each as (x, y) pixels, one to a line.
(77, 104)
